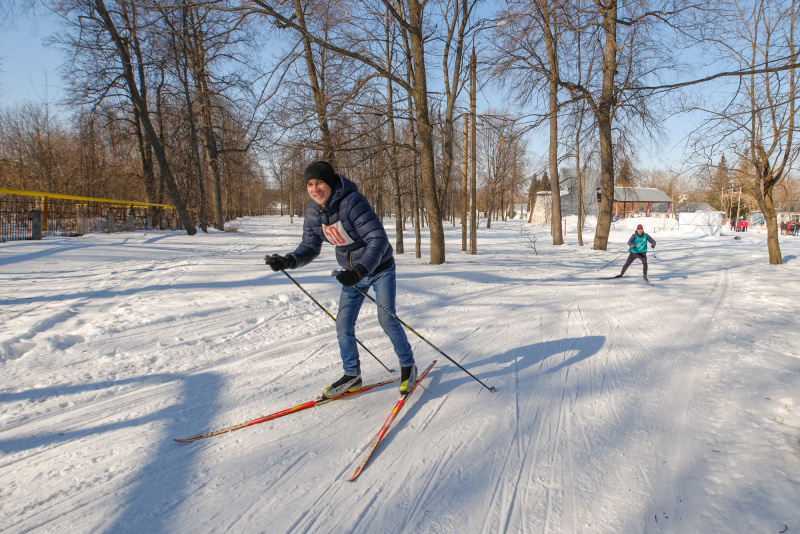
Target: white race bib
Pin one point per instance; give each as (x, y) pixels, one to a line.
(336, 235)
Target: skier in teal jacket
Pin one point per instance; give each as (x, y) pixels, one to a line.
(638, 249)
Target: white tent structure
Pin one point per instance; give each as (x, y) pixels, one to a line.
(702, 222)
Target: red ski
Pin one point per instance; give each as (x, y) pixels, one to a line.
(385, 428)
(299, 408)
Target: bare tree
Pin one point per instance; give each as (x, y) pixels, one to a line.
(531, 65)
(410, 18)
(457, 17)
(105, 37)
(122, 46)
(630, 42)
(757, 123)
(502, 148)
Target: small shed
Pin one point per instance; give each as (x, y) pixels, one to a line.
(644, 197)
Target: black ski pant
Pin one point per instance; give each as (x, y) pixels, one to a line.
(632, 256)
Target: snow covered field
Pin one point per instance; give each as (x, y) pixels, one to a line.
(620, 407)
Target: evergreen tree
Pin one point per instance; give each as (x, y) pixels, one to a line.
(722, 182)
(544, 183)
(532, 193)
(625, 176)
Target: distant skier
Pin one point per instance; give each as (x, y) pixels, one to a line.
(342, 216)
(638, 249)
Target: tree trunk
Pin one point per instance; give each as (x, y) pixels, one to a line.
(473, 143)
(317, 88)
(767, 205)
(579, 178)
(146, 159)
(464, 184)
(150, 132)
(555, 186)
(194, 142)
(417, 222)
(604, 119)
(198, 59)
(425, 132)
(452, 92)
(398, 197)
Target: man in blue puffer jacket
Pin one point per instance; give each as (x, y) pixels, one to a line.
(638, 249)
(342, 216)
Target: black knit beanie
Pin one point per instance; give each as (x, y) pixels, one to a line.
(321, 170)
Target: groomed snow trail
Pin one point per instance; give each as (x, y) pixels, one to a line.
(620, 406)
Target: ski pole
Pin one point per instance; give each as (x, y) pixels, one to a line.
(334, 319)
(334, 273)
(612, 261)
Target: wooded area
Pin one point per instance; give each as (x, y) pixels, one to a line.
(217, 106)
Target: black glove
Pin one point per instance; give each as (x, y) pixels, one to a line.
(278, 262)
(349, 278)
(653, 247)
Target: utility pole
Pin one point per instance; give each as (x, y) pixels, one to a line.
(738, 204)
(473, 99)
(465, 184)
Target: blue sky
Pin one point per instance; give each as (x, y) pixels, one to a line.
(28, 70)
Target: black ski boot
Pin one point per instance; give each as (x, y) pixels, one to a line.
(408, 375)
(343, 385)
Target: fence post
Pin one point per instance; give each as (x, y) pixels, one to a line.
(173, 222)
(131, 219)
(148, 224)
(36, 224)
(80, 226)
(110, 218)
(45, 210)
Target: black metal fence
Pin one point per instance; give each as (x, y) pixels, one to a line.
(33, 217)
(15, 218)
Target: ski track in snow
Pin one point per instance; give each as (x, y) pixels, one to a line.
(620, 406)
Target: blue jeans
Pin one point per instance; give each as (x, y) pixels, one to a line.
(385, 285)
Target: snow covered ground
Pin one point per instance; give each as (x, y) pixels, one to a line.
(620, 406)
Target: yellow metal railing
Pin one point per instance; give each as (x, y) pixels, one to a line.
(34, 214)
(86, 199)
